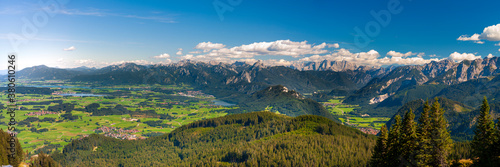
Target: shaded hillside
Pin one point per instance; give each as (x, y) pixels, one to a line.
(251, 139)
(43, 72)
(445, 72)
(469, 93)
(281, 99)
(460, 117)
(227, 81)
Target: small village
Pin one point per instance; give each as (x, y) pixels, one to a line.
(119, 133)
(40, 113)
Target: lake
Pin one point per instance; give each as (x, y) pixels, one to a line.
(222, 103)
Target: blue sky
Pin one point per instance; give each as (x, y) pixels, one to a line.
(71, 33)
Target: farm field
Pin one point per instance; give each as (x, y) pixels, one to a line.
(48, 121)
(345, 114)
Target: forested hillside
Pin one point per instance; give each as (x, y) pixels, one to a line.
(252, 139)
(280, 99)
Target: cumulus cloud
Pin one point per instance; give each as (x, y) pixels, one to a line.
(474, 37)
(455, 56)
(276, 48)
(70, 48)
(100, 64)
(371, 58)
(207, 46)
(399, 54)
(162, 56)
(188, 56)
(490, 33)
(498, 44)
(335, 45)
(179, 51)
(490, 56)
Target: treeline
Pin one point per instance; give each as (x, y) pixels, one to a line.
(121, 110)
(5, 150)
(250, 139)
(428, 142)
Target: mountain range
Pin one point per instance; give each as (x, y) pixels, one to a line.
(378, 91)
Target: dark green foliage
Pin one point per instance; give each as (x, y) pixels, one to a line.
(459, 116)
(409, 138)
(288, 102)
(379, 158)
(406, 148)
(424, 147)
(484, 140)
(5, 150)
(62, 107)
(440, 137)
(394, 144)
(44, 160)
(69, 116)
(250, 139)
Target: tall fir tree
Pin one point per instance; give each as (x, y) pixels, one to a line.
(3, 145)
(484, 139)
(408, 139)
(440, 136)
(423, 156)
(379, 156)
(496, 145)
(18, 154)
(393, 143)
(44, 160)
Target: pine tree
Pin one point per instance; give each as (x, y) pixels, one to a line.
(496, 150)
(393, 142)
(380, 151)
(18, 154)
(3, 145)
(423, 156)
(44, 160)
(484, 138)
(408, 139)
(440, 136)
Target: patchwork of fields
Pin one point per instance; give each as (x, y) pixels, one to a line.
(44, 125)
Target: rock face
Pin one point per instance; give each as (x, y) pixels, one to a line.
(443, 72)
(327, 65)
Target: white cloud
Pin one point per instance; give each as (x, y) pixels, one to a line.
(335, 45)
(490, 56)
(455, 56)
(490, 33)
(207, 46)
(499, 50)
(275, 48)
(179, 52)
(188, 56)
(370, 58)
(274, 62)
(70, 48)
(162, 56)
(498, 44)
(399, 54)
(195, 52)
(474, 37)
